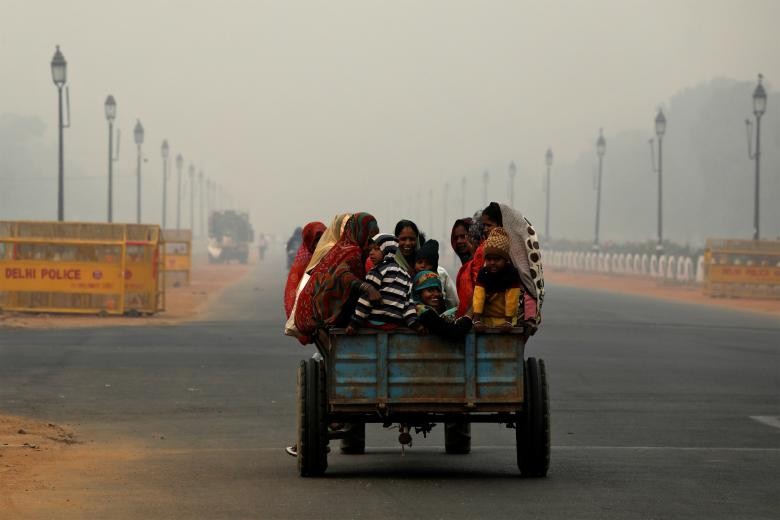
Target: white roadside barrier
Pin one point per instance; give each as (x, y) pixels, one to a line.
(677, 269)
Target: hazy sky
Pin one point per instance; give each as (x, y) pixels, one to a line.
(305, 109)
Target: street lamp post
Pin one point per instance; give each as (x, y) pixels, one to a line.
(200, 204)
(430, 209)
(485, 180)
(164, 150)
(179, 164)
(512, 173)
(445, 196)
(138, 133)
(110, 107)
(660, 130)
(208, 196)
(463, 199)
(548, 159)
(759, 107)
(192, 199)
(601, 147)
(59, 74)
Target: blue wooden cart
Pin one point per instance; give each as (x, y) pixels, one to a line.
(418, 381)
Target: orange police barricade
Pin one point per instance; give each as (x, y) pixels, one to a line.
(742, 268)
(144, 275)
(178, 255)
(77, 267)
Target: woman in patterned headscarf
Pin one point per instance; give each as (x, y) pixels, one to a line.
(328, 240)
(524, 253)
(336, 280)
(311, 236)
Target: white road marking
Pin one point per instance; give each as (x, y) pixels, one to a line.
(428, 448)
(769, 420)
(592, 448)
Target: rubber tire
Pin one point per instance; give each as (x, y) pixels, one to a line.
(457, 438)
(533, 425)
(312, 428)
(355, 441)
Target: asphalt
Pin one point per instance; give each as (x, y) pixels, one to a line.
(652, 417)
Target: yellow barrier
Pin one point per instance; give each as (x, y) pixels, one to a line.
(80, 268)
(178, 254)
(742, 268)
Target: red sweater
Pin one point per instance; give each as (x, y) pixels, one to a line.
(467, 278)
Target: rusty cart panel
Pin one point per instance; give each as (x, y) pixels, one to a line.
(404, 372)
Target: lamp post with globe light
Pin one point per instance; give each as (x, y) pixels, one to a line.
(601, 148)
(138, 133)
(59, 74)
(660, 130)
(179, 165)
(110, 108)
(548, 159)
(512, 174)
(164, 151)
(759, 107)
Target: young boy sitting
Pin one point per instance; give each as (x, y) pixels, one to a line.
(394, 286)
(498, 290)
(434, 315)
(427, 259)
(375, 256)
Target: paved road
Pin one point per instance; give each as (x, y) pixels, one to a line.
(651, 406)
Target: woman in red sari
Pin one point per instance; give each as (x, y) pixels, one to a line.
(311, 236)
(337, 280)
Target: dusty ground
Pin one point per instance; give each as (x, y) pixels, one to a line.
(37, 457)
(182, 303)
(660, 290)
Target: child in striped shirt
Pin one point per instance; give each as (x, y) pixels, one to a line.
(396, 307)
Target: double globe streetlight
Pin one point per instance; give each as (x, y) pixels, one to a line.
(759, 107)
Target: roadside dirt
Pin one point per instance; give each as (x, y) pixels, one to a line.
(660, 290)
(182, 303)
(47, 471)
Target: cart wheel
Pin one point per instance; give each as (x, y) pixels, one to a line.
(312, 429)
(533, 423)
(354, 443)
(457, 438)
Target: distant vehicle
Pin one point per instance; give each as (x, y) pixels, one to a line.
(293, 244)
(230, 234)
(262, 245)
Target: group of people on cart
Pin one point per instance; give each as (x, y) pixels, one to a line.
(351, 275)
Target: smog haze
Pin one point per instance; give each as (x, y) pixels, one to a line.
(306, 109)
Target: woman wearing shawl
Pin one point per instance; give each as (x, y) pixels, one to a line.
(408, 243)
(459, 239)
(524, 253)
(328, 240)
(325, 244)
(311, 236)
(464, 249)
(467, 275)
(329, 295)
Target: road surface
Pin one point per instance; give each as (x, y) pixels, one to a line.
(659, 410)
